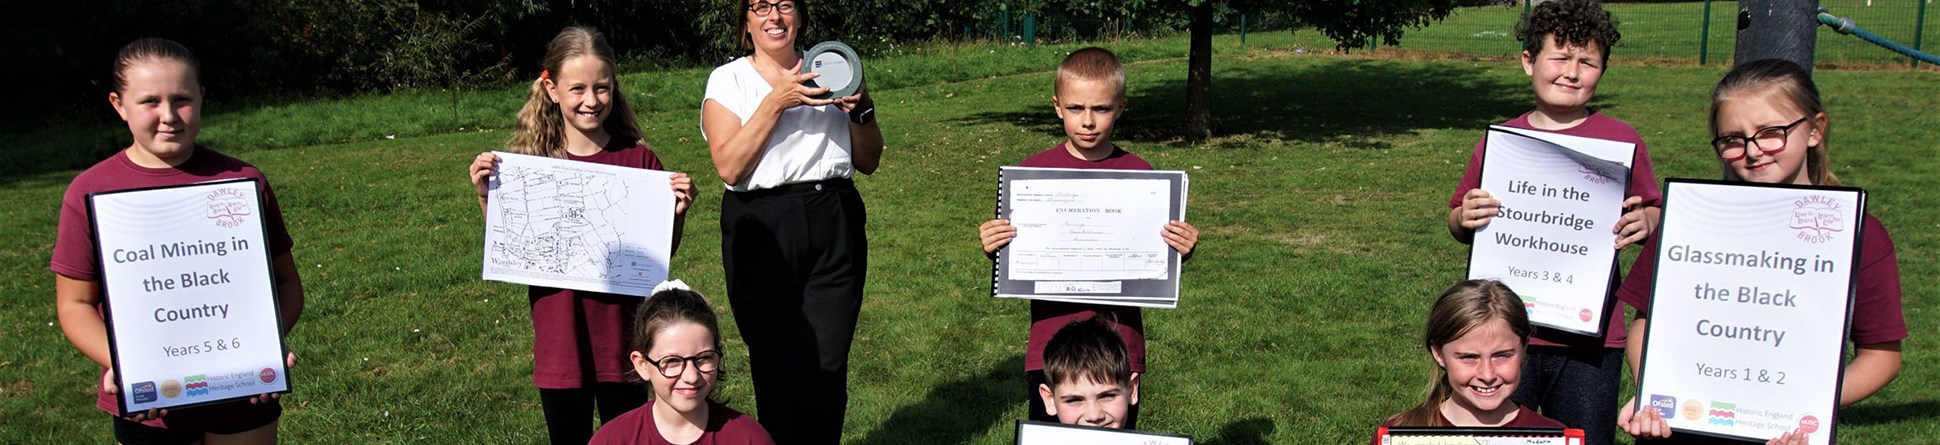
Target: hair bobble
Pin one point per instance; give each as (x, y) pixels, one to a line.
(545, 74)
(669, 285)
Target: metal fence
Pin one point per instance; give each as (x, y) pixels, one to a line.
(1697, 31)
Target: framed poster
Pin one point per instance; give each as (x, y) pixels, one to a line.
(187, 291)
(1750, 303)
(1551, 240)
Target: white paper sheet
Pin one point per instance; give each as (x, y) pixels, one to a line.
(578, 225)
(1089, 229)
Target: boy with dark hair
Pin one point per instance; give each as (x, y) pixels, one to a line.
(1570, 378)
(1088, 378)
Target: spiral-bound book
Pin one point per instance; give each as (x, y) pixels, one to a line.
(1089, 235)
(1402, 435)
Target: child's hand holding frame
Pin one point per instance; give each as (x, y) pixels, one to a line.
(1636, 223)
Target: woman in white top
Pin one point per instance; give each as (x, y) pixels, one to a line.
(792, 239)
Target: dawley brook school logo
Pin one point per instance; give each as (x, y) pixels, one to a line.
(1595, 177)
(228, 208)
(1817, 218)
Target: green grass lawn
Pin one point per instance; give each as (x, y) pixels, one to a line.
(1321, 208)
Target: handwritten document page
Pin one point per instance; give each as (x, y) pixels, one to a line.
(1089, 229)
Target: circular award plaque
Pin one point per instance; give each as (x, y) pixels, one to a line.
(840, 68)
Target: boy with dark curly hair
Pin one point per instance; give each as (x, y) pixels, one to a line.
(1566, 50)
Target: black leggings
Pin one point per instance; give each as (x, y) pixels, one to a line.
(567, 410)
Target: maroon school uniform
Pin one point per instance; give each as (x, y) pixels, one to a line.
(1643, 183)
(725, 426)
(1049, 316)
(74, 255)
(1524, 419)
(579, 337)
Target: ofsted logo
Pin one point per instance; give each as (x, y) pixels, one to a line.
(1666, 405)
(145, 392)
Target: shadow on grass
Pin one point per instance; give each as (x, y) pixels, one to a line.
(33, 154)
(957, 411)
(1340, 101)
(1874, 414)
(1243, 432)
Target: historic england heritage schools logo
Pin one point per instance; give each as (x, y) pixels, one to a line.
(1723, 414)
(228, 208)
(144, 392)
(1818, 218)
(198, 385)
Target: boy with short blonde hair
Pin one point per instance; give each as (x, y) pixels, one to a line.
(1089, 98)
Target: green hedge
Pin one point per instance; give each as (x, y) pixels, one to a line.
(267, 52)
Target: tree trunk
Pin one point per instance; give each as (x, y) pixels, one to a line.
(1199, 74)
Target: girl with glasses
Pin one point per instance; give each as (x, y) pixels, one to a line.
(1771, 127)
(677, 350)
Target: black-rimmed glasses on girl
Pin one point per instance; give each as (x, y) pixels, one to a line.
(705, 362)
(1767, 140)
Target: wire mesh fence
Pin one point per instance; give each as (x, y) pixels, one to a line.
(1696, 31)
(1688, 31)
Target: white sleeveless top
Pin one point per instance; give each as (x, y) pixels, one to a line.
(808, 144)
